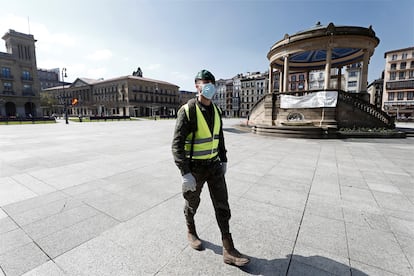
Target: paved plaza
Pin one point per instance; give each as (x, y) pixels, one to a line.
(104, 199)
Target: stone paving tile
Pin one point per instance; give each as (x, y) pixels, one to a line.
(36, 202)
(118, 207)
(292, 184)
(402, 227)
(361, 269)
(59, 221)
(386, 188)
(377, 248)
(357, 195)
(289, 173)
(64, 240)
(324, 234)
(366, 219)
(13, 239)
(278, 197)
(233, 175)
(298, 268)
(409, 216)
(7, 225)
(352, 179)
(93, 194)
(407, 245)
(320, 259)
(33, 184)
(46, 210)
(2, 214)
(98, 257)
(274, 221)
(393, 201)
(11, 191)
(85, 187)
(47, 269)
(22, 259)
(318, 206)
(257, 168)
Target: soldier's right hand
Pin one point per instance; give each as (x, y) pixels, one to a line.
(189, 183)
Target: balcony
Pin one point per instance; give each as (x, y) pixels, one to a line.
(8, 92)
(27, 79)
(29, 92)
(6, 77)
(409, 84)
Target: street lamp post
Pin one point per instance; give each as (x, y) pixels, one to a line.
(63, 89)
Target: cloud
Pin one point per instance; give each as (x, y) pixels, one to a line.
(103, 54)
(46, 40)
(153, 67)
(96, 73)
(181, 76)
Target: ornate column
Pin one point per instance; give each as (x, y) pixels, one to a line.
(280, 81)
(328, 67)
(364, 77)
(286, 73)
(340, 78)
(271, 78)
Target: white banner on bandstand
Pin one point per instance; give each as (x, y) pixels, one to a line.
(312, 100)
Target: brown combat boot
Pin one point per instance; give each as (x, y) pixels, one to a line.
(231, 255)
(193, 238)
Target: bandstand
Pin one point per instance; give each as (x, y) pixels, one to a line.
(311, 111)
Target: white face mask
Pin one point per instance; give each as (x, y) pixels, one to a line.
(208, 90)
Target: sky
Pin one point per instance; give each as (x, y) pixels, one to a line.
(171, 40)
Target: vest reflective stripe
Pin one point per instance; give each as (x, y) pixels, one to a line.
(205, 143)
(200, 141)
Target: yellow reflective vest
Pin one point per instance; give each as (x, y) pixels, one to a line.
(205, 142)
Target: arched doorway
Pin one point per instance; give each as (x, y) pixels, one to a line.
(10, 109)
(30, 109)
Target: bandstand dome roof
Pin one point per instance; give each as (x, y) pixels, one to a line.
(307, 49)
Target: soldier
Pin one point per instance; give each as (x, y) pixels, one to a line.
(200, 154)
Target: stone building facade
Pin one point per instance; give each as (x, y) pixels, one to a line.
(49, 78)
(398, 97)
(19, 83)
(253, 87)
(123, 96)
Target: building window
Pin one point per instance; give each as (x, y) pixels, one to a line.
(352, 83)
(26, 75)
(394, 57)
(401, 75)
(411, 74)
(353, 73)
(393, 76)
(5, 72)
(293, 86)
(301, 77)
(412, 64)
(391, 96)
(403, 65)
(404, 55)
(400, 96)
(27, 88)
(410, 95)
(7, 86)
(393, 66)
(293, 78)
